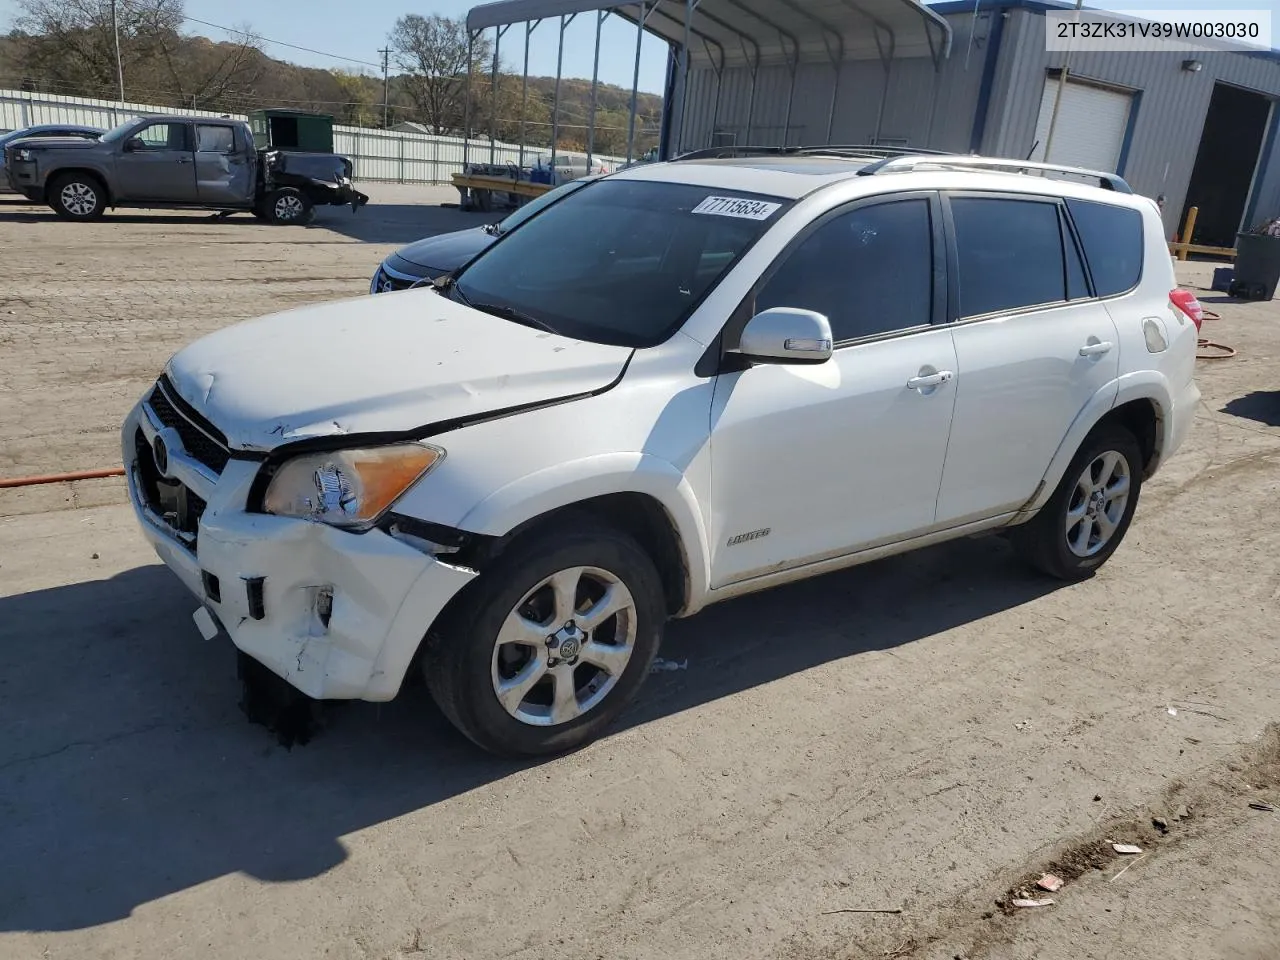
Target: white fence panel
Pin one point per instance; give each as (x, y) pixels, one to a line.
(376, 154)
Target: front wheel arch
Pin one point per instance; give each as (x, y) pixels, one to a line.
(55, 182)
(98, 179)
(639, 516)
(598, 483)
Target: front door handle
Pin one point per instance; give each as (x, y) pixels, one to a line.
(184, 159)
(1095, 349)
(931, 380)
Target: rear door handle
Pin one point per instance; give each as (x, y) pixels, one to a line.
(932, 380)
(1095, 349)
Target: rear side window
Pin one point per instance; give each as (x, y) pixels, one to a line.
(214, 139)
(1010, 254)
(1112, 238)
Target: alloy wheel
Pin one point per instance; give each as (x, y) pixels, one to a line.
(564, 647)
(288, 207)
(1097, 504)
(79, 199)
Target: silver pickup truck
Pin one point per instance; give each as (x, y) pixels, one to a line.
(179, 162)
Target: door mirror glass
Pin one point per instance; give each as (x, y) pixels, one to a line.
(786, 335)
(133, 145)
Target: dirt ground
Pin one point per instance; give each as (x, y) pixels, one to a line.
(924, 735)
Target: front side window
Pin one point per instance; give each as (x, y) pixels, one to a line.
(623, 262)
(215, 139)
(868, 271)
(163, 136)
(1010, 254)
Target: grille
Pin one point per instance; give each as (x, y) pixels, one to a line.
(196, 441)
(387, 282)
(175, 504)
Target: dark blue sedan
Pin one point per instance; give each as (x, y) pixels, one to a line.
(425, 260)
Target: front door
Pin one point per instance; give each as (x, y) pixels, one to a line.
(1033, 348)
(158, 163)
(811, 462)
(224, 175)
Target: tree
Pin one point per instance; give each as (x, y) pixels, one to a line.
(357, 106)
(433, 53)
(74, 43)
(72, 47)
(199, 71)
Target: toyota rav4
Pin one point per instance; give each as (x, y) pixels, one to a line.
(680, 384)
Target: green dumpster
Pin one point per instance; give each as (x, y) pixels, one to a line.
(292, 130)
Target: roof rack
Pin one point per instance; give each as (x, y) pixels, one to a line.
(898, 164)
(852, 151)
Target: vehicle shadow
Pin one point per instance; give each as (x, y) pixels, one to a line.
(130, 772)
(1261, 405)
(397, 223)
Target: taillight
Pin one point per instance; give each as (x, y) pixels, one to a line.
(1186, 301)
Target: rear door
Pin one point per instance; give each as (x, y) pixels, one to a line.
(158, 163)
(1033, 347)
(224, 176)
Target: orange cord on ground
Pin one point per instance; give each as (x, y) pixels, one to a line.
(10, 482)
(1202, 345)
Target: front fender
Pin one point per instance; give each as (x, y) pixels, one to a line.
(1141, 385)
(572, 482)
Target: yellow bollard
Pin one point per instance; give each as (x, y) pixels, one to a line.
(1188, 230)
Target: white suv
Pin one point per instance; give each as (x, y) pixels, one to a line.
(683, 383)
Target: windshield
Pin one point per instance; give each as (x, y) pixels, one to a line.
(625, 262)
(115, 133)
(541, 202)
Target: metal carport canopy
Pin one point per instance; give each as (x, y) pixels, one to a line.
(758, 32)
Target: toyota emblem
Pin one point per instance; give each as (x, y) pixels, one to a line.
(161, 453)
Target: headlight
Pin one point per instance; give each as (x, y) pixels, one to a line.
(348, 488)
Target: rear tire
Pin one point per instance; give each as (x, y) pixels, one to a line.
(492, 663)
(77, 196)
(289, 206)
(1086, 519)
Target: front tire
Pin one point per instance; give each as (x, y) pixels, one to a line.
(550, 643)
(1085, 520)
(77, 196)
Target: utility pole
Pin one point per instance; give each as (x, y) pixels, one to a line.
(386, 83)
(115, 30)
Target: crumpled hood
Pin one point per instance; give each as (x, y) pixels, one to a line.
(448, 251)
(392, 363)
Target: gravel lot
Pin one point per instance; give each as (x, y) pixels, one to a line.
(922, 734)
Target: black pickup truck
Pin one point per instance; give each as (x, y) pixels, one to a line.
(181, 163)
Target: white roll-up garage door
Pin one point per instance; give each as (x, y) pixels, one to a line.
(1091, 125)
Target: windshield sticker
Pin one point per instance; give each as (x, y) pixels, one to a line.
(737, 207)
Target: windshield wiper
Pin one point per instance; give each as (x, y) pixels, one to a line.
(511, 313)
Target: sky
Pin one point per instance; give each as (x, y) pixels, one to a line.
(340, 28)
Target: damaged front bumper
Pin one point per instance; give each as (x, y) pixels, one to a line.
(338, 615)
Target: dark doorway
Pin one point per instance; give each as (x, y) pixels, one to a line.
(1225, 164)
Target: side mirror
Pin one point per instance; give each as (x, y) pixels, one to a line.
(132, 145)
(787, 335)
